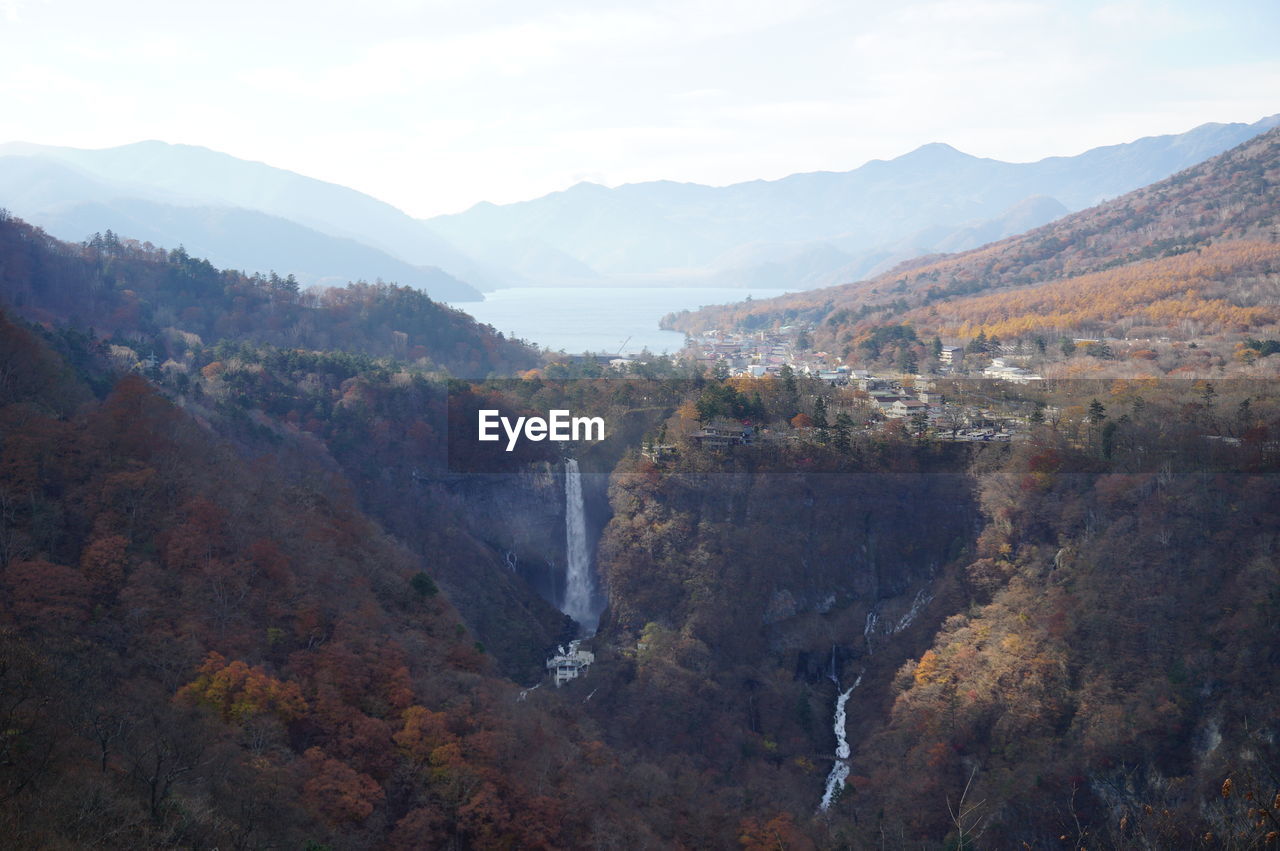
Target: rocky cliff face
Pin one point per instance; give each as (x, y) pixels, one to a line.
(521, 517)
(739, 595)
(508, 588)
(511, 587)
(780, 563)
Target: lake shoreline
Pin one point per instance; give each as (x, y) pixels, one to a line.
(603, 320)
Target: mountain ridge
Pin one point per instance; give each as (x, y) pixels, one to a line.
(843, 223)
(1221, 211)
(663, 227)
(72, 204)
(185, 175)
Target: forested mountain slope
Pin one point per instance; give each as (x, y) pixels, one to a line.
(1092, 658)
(203, 649)
(1198, 247)
(261, 590)
(1114, 672)
(167, 301)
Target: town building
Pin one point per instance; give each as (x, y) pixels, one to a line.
(1005, 371)
(722, 432)
(906, 407)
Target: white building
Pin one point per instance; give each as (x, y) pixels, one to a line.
(1006, 372)
(571, 665)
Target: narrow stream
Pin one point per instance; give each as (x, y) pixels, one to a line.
(839, 771)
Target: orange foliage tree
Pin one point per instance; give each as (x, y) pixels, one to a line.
(238, 692)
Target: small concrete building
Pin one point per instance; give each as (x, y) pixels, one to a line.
(571, 665)
(907, 407)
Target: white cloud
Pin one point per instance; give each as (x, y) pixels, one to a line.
(1128, 17)
(700, 94)
(11, 10)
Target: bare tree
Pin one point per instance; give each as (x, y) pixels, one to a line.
(964, 815)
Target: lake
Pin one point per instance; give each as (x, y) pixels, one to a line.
(602, 320)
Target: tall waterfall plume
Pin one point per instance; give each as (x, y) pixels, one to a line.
(578, 590)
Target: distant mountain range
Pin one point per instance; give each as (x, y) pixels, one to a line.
(800, 232)
(1189, 256)
(238, 214)
(819, 228)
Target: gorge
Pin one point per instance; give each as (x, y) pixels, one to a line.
(256, 590)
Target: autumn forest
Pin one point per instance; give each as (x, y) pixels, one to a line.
(258, 589)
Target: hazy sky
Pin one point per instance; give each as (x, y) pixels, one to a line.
(434, 106)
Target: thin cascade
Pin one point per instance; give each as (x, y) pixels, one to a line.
(840, 771)
(921, 600)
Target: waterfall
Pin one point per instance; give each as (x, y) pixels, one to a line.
(839, 771)
(917, 606)
(577, 596)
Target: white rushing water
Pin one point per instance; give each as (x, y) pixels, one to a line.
(917, 606)
(577, 596)
(839, 771)
(875, 626)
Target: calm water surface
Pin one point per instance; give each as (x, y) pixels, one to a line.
(577, 319)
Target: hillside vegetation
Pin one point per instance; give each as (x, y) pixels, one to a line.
(167, 302)
(199, 649)
(262, 590)
(1207, 233)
